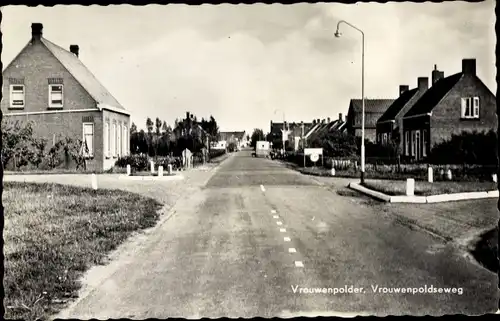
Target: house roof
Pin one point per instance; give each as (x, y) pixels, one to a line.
(294, 127)
(371, 105)
(434, 95)
(227, 135)
(83, 75)
(397, 105)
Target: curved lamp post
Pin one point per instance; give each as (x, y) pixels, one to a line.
(284, 128)
(338, 34)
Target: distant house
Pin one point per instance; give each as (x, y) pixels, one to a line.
(291, 132)
(460, 102)
(390, 124)
(51, 86)
(239, 138)
(327, 126)
(374, 109)
(189, 126)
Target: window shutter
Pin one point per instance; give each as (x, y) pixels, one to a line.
(476, 106)
(464, 105)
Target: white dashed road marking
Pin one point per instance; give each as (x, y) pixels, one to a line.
(292, 250)
(273, 211)
(279, 223)
(262, 188)
(299, 264)
(276, 216)
(282, 230)
(286, 239)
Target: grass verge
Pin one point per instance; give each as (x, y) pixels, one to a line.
(395, 187)
(486, 250)
(53, 233)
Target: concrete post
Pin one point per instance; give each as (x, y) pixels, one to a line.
(448, 174)
(94, 182)
(333, 171)
(410, 187)
(160, 171)
(152, 165)
(430, 175)
(129, 170)
(169, 169)
(494, 177)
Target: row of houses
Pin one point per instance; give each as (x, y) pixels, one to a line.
(239, 138)
(294, 133)
(428, 114)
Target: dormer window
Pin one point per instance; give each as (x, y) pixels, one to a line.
(17, 94)
(56, 96)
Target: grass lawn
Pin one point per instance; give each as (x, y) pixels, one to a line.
(422, 188)
(53, 233)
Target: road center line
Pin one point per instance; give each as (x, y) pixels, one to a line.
(276, 216)
(299, 264)
(282, 230)
(262, 188)
(286, 239)
(273, 211)
(279, 223)
(292, 250)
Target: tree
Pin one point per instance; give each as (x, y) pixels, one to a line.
(149, 127)
(336, 144)
(257, 135)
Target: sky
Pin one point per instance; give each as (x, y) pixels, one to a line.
(249, 64)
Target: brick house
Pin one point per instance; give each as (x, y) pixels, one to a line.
(238, 138)
(374, 109)
(390, 124)
(52, 87)
(327, 126)
(292, 134)
(457, 103)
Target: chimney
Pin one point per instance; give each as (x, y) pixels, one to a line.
(318, 120)
(469, 66)
(75, 49)
(187, 115)
(328, 120)
(423, 83)
(403, 88)
(36, 30)
(436, 75)
(340, 116)
(314, 121)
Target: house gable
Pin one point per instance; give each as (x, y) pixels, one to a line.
(35, 66)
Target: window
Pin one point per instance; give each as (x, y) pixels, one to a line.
(125, 140)
(116, 143)
(88, 139)
(16, 96)
(407, 143)
(418, 144)
(106, 139)
(413, 141)
(384, 138)
(113, 140)
(470, 107)
(424, 143)
(55, 95)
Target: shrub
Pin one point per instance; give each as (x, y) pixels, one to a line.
(137, 162)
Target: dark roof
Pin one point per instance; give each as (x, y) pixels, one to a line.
(397, 105)
(277, 127)
(371, 105)
(434, 95)
(78, 70)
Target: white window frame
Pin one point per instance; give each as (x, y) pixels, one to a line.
(475, 107)
(113, 140)
(51, 104)
(418, 144)
(407, 143)
(106, 139)
(91, 148)
(119, 140)
(12, 91)
(424, 143)
(413, 142)
(125, 140)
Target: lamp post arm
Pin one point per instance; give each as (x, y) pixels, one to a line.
(350, 25)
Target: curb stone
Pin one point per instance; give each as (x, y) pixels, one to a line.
(423, 199)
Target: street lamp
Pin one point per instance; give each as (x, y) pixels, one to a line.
(338, 34)
(284, 129)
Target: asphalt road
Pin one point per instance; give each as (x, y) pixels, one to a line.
(239, 245)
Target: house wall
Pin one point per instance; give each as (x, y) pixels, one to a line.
(36, 64)
(446, 115)
(370, 133)
(384, 128)
(56, 126)
(421, 124)
(113, 117)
